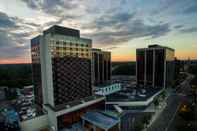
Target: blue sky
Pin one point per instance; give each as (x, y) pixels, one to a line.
(119, 26)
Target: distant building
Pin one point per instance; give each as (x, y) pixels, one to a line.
(155, 66)
(101, 65)
(3, 93)
(125, 81)
(177, 69)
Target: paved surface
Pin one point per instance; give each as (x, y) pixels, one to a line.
(166, 118)
(183, 92)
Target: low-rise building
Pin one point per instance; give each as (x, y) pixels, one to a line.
(107, 89)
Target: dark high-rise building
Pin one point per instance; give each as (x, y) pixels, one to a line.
(101, 65)
(61, 63)
(155, 66)
(177, 68)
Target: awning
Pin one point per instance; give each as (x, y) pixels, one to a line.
(100, 120)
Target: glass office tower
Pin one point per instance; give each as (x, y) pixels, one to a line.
(155, 66)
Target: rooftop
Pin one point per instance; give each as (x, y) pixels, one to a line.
(107, 83)
(73, 103)
(63, 31)
(132, 94)
(156, 46)
(99, 50)
(100, 120)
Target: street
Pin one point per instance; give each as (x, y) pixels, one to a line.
(166, 118)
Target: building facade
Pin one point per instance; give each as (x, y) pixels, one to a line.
(61, 63)
(101, 65)
(107, 89)
(155, 66)
(36, 70)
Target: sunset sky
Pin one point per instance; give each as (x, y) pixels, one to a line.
(119, 26)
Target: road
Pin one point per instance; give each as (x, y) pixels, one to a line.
(183, 93)
(166, 118)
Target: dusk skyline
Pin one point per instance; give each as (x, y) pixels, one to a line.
(117, 26)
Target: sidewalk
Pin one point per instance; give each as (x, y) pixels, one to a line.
(158, 110)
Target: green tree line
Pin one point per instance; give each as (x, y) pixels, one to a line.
(15, 75)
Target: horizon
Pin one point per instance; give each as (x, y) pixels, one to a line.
(111, 61)
(117, 26)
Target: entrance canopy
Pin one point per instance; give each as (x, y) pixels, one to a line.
(100, 120)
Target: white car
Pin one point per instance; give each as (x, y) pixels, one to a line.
(34, 114)
(22, 112)
(24, 117)
(29, 114)
(24, 108)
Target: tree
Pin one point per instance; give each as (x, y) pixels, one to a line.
(146, 119)
(156, 102)
(139, 126)
(15, 76)
(163, 94)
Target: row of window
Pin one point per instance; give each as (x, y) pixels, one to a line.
(62, 43)
(35, 48)
(57, 54)
(35, 54)
(69, 48)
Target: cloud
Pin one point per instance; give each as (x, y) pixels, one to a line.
(55, 7)
(15, 34)
(172, 9)
(117, 28)
(46, 4)
(114, 19)
(189, 30)
(6, 21)
(13, 43)
(178, 26)
(191, 9)
(110, 26)
(9, 48)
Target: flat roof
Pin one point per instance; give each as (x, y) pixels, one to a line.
(106, 84)
(132, 94)
(73, 103)
(152, 47)
(100, 120)
(56, 29)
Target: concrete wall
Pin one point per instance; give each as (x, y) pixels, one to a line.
(52, 118)
(34, 124)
